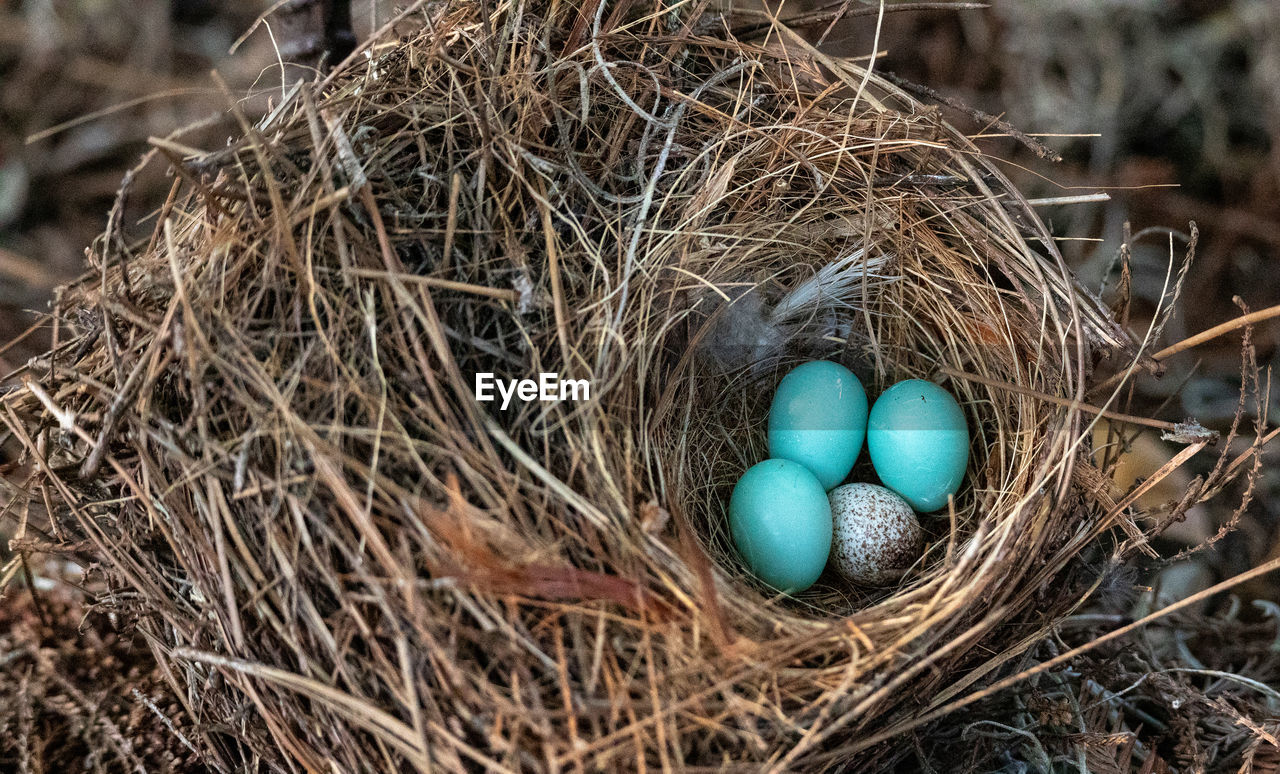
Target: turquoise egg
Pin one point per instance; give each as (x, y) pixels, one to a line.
(919, 443)
(818, 418)
(781, 522)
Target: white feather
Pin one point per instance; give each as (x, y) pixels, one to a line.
(750, 334)
(839, 283)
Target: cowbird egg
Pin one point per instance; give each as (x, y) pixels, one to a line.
(877, 535)
(781, 523)
(919, 443)
(818, 418)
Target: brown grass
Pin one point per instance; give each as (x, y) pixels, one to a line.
(262, 419)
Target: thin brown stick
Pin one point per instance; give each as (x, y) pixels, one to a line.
(24, 269)
(1196, 340)
(553, 268)
(846, 10)
(1218, 330)
(1128, 419)
(1252, 450)
(436, 282)
(451, 225)
(16, 340)
(1037, 147)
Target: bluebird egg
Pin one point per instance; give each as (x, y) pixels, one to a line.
(919, 443)
(877, 536)
(780, 520)
(818, 418)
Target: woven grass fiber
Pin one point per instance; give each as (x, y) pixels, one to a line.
(261, 421)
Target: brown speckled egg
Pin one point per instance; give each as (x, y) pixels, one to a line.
(877, 535)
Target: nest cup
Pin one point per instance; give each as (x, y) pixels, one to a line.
(264, 424)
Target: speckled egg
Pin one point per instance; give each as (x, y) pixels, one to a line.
(819, 418)
(877, 536)
(781, 523)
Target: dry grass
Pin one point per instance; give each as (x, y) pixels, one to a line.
(261, 421)
(78, 696)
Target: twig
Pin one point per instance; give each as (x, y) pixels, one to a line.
(24, 269)
(846, 11)
(1037, 147)
(1065, 402)
(122, 401)
(1200, 338)
(167, 722)
(436, 282)
(1218, 330)
(1252, 450)
(89, 118)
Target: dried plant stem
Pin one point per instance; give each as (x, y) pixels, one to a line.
(1037, 147)
(1128, 419)
(436, 282)
(1196, 340)
(1218, 330)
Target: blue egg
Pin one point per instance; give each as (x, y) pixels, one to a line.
(780, 520)
(818, 418)
(919, 443)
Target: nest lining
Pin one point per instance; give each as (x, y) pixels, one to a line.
(264, 422)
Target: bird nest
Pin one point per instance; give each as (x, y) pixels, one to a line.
(263, 421)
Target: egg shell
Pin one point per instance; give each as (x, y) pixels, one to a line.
(780, 520)
(919, 443)
(818, 418)
(877, 535)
